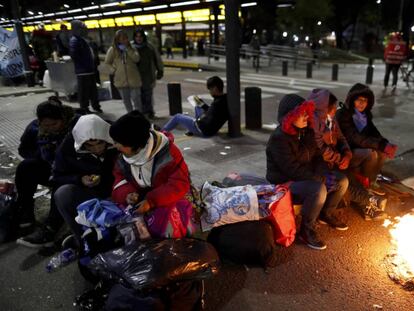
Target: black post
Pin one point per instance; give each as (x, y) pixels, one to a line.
(233, 65)
(183, 35)
(216, 11)
(253, 107)
(309, 70)
(370, 71)
(285, 68)
(22, 43)
(335, 69)
(174, 98)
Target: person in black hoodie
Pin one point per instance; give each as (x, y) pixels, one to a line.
(369, 147)
(293, 156)
(209, 119)
(82, 170)
(38, 146)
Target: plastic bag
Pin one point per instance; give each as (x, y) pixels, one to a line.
(8, 211)
(154, 264)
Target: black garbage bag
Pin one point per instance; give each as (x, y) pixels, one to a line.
(247, 242)
(8, 212)
(156, 263)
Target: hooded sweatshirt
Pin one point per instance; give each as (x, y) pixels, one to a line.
(328, 135)
(291, 153)
(73, 161)
(368, 136)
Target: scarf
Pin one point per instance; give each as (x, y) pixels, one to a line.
(142, 162)
(360, 120)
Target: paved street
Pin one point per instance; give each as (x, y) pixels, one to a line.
(349, 275)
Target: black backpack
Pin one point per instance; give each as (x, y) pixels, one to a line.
(247, 242)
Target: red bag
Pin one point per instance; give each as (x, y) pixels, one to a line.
(282, 216)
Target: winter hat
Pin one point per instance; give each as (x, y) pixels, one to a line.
(132, 130)
(291, 106)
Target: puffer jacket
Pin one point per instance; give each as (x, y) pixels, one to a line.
(291, 153)
(170, 180)
(369, 137)
(330, 141)
(124, 67)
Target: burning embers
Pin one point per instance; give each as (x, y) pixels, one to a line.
(401, 259)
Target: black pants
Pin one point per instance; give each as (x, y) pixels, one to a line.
(67, 199)
(394, 69)
(87, 91)
(368, 162)
(29, 174)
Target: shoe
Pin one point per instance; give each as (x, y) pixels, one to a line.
(189, 134)
(70, 242)
(41, 237)
(310, 238)
(333, 221)
(394, 90)
(26, 219)
(375, 188)
(379, 203)
(374, 210)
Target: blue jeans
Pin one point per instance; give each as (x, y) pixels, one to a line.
(185, 121)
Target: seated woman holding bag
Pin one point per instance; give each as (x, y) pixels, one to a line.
(151, 173)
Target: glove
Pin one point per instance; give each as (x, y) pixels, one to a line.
(122, 47)
(160, 74)
(390, 150)
(346, 159)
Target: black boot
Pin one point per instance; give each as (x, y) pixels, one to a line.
(311, 239)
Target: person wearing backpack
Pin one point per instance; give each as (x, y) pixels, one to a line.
(292, 156)
(38, 146)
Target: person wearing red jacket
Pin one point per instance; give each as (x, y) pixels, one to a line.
(151, 174)
(394, 54)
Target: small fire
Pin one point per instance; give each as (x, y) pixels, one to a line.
(402, 232)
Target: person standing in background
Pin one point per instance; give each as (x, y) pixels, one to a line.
(83, 58)
(394, 54)
(62, 41)
(150, 68)
(42, 44)
(123, 59)
(168, 44)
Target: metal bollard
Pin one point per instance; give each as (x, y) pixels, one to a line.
(285, 68)
(309, 70)
(253, 107)
(370, 74)
(335, 69)
(174, 98)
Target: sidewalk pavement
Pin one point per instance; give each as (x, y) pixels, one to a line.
(349, 275)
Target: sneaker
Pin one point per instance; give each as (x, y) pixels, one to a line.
(378, 203)
(311, 239)
(70, 242)
(26, 219)
(375, 208)
(41, 237)
(375, 188)
(333, 221)
(394, 90)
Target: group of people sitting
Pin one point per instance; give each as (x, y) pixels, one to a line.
(318, 151)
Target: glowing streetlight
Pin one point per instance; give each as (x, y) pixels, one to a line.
(319, 23)
(307, 38)
(284, 34)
